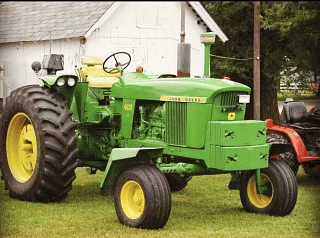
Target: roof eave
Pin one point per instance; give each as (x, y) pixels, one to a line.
(203, 14)
(104, 18)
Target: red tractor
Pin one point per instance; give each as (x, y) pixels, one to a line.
(300, 129)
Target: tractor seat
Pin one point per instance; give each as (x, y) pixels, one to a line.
(91, 71)
(296, 115)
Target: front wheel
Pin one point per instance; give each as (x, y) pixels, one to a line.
(142, 197)
(279, 194)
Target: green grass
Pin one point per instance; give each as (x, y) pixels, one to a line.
(299, 96)
(205, 208)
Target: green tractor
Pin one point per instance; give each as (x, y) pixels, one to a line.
(149, 134)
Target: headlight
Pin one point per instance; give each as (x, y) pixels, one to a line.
(71, 82)
(61, 82)
(244, 98)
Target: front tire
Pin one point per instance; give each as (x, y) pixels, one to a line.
(280, 190)
(142, 197)
(37, 145)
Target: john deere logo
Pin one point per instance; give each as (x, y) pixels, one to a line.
(184, 99)
(231, 116)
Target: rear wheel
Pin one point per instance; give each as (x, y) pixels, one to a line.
(37, 145)
(288, 157)
(279, 186)
(142, 197)
(21, 147)
(176, 182)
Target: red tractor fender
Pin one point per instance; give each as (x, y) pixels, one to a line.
(297, 144)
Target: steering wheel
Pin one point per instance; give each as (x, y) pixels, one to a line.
(117, 63)
(167, 76)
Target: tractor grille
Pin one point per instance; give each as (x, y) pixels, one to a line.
(176, 123)
(230, 98)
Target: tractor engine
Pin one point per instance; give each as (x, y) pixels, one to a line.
(149, 121)
(95, 143)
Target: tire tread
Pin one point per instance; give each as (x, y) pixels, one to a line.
(56, 130)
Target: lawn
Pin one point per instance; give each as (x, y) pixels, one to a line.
(298, 96)
(205, 208)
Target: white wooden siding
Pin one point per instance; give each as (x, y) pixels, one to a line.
(149, 31)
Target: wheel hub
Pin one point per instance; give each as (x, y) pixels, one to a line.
(264, 199)
(21, 147)
(132, 199)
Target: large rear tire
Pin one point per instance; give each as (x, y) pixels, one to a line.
(288, 157)
(280, 190)
(37, 145)
(176, 182)
(142, 197)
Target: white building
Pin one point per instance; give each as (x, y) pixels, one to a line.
(148, 31)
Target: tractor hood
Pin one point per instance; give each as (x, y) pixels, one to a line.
(140, 86)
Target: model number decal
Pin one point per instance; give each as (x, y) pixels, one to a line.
(128, 106)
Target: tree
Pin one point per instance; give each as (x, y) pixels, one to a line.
(279, 41)
(299, 23)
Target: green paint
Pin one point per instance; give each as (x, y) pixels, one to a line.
(188, 126)
(128, 108)
(122, 158)
(207, 39)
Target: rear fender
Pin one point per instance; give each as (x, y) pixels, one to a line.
(297, 143)
(64, 85)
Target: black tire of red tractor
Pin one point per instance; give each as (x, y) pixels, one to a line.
(56, 142)
(284, 184)
(312, 168)
(157, 196)
(288, 157)
(176, 182)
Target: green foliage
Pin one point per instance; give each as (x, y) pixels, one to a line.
(298, 25)
(289, 36)
(286, 16)
(296, 96)
(228, 14)
(289, 43)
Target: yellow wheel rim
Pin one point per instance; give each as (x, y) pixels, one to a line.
(260, 200)
(132, 199)
(21, 147)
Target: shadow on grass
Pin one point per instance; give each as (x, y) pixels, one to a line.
(307, 180)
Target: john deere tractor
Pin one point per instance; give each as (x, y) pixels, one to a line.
(149, 134)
